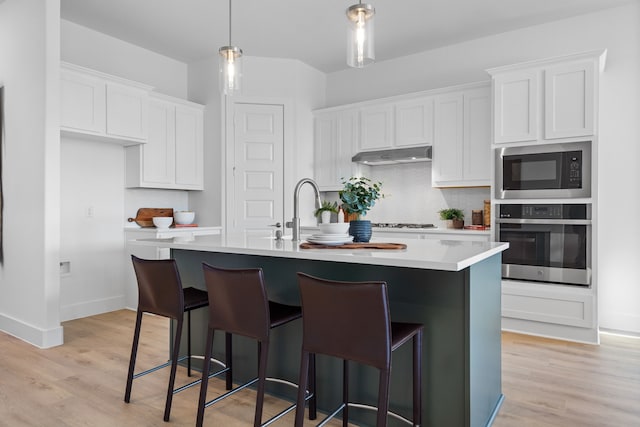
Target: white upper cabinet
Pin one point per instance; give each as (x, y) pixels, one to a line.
(173, 156)
(404, 123)
(569, 104)
(462, 141)
(516, 107)
(376, 127)
(546, 100)
(100, 106)
(335, 139)
(414, 122)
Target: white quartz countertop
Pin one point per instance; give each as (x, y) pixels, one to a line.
(445, 255)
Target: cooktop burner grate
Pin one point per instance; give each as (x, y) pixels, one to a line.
(401, 225)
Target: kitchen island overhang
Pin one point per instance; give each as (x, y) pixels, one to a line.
(452, 287)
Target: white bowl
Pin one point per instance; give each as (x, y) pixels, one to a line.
(184, 217)
(162, 221)
(334, 228)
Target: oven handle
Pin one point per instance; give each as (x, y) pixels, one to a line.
(543, 221)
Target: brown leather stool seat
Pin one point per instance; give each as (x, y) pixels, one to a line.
(239, 305)
(351, 321)
(160, 292)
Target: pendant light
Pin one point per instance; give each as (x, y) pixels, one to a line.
(230, 64)
(360, 42)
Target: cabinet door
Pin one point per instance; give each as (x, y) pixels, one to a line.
(158, 166)
(569, 100)
(448, 140)
(515, 107)
(324, 141)
(477, 137)
(414, 122)
(82, 103)
(346, 140)
(189, 151)
(127, 110)
(376, 127)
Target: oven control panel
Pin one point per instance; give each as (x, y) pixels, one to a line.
(545, 211)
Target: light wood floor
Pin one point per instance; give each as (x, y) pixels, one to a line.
(546, 382)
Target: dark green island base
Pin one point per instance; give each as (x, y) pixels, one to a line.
(462, 343)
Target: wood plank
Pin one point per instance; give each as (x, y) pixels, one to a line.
(546, 382)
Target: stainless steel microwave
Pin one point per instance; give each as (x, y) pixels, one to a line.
(547, 171)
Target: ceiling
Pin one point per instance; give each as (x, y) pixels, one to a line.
(313, 31)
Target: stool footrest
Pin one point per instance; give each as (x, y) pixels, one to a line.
(363, 406)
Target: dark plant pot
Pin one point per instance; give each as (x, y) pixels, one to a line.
(360, 230)
(458, 223)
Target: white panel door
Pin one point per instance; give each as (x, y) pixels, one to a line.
(477, 137)
(127, 111)
(376, 127)
(257, 199)
(82, 103)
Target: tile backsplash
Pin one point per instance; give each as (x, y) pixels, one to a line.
(409, 196)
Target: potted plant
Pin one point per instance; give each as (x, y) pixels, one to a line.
(358, 196)
(323, 213)
(454, 216)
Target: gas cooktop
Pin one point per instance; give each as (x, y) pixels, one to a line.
(401, 225)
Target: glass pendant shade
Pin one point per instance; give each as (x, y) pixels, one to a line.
(360, 40)
(230, 69)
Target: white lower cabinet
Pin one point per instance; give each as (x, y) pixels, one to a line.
(553, 310)
(462, 140)
(96, 105)
(173, 156)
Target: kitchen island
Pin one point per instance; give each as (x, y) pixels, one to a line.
(452, 287)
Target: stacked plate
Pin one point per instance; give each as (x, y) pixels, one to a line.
(330, 239)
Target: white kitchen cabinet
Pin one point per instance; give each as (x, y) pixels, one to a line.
(569, 106)
(405, 123)
(414, 122)
(173, 156)
(335, 138)
(102, 107)
(462, 140)
(546, 100)
(516, 106)
(376, 127)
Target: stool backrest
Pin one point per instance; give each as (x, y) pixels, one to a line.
(238, 301)
(159, 287)
(349, 320)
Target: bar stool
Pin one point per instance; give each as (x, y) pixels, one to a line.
(239, 305)
(351, 321)
(160, 292)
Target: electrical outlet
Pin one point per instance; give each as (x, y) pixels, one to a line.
(65, 268)
(91, 212)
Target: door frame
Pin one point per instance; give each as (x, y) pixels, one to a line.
(228, 138)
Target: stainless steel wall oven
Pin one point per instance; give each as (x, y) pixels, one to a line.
(547, 242)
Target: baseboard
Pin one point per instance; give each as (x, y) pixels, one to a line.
(91, 308)
(42, 338)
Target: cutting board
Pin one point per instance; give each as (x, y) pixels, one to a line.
(144, 216)
(370, 245)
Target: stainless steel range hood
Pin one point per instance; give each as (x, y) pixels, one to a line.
(397, 155)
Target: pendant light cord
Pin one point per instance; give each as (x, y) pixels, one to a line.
(229, 22)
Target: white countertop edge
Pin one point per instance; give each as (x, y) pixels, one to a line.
(434, 230)
(356, 256)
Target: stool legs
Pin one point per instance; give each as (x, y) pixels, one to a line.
(417, 378)
(132, 360)
(174, 365)
(263, 351)
(205, 377)
(302, 387)
(383, 398)
(345, 393)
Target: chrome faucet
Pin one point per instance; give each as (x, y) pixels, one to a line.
(295, 222)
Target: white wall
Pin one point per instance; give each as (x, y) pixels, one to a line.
(616, 29)
(93, 177)
(263, 78)
(29, 71)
